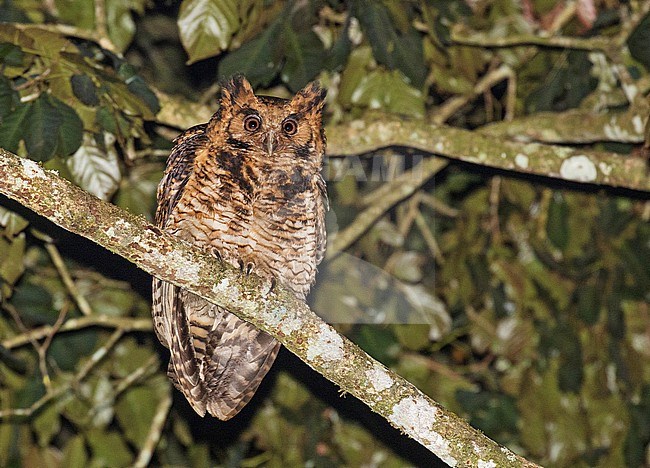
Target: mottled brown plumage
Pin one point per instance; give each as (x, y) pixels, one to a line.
(247, 187)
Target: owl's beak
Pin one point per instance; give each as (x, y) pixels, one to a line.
(271, 142)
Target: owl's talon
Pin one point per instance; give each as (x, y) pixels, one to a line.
(216, 254)
(246, 268)
(268, 285)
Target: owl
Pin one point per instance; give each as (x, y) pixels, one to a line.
(247, 188)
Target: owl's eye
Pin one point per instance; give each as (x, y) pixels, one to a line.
(290, 126)
(252, 123)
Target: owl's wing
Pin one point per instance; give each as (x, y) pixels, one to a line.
(323, 207)
(179, 168)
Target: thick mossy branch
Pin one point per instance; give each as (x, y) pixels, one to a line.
(575, 164)
(575, 126)
(273, 309)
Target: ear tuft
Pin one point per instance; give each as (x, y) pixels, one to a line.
(310, 99)
(236, 90)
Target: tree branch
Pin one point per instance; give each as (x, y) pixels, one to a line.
(384, 198)
(561, 162)
(273, 309)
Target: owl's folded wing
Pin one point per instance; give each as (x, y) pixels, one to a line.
(179, 169)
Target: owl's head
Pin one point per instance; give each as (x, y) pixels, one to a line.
(269, 127)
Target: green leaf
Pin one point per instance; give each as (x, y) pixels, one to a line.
(112, 301)
(557, 227)
(34, 303)
(412, 336)
(129, 355)
(375, 20)
(340, 51)
(127, 101)
(8, 97)
(80, 13)
(388, 90)
(108, 449)
(107, 120)
(68, 348)
(359, 62)
(13, 126)
(137, 193)
(492, 412)
(378, 341)
(389, 47)
(408, 55)
(571, 370)
(71, 129)
(74, 453)
(119, 21)
(96, 169)
(47, 424)
(589, 296)
(12, 222)
(257, 59)
(84, 89)
(134, 411)
(30, 392)
(206, 27)
(638, 42)
(9, 13)
(138, 87)
(12, 259)
(305, 56)
(43, 122)
(11, 55)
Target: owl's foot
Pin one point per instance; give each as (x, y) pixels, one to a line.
(216, 254)
(268, 286)
(246, 268)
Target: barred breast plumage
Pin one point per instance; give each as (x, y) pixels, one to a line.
(247, 187)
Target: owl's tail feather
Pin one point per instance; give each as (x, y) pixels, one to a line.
(196, 401)
(237, 357)
(217, 360)
(184, 367)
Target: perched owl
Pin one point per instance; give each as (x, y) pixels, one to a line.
(247, 188)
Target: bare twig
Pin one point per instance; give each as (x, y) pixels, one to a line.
(451, 106)
(495, 196)
(42, 350)
(68, 282)
(157, 425)
(100, 18)
(149, 367)
(429, 238)
(389, 194)
(438, 205)
(106, 321)
(53, 394)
